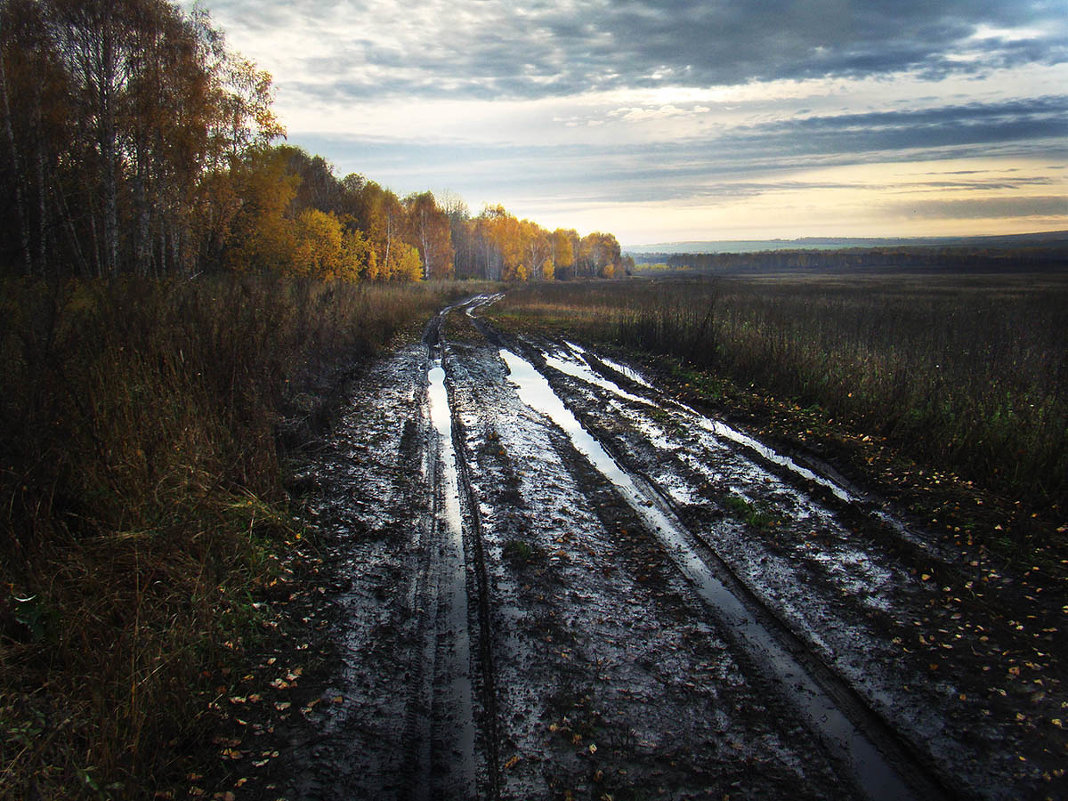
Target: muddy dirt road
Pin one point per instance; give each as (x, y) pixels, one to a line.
(557, 581)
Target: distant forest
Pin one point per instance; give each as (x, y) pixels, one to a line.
(135, 143)
(1039, 258)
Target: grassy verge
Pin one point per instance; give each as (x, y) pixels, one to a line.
(963, 375)
(141, 507)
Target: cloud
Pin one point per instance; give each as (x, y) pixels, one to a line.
(902, 129)
(745, 160)
(495, 48)
(679, 113)
(986, 208)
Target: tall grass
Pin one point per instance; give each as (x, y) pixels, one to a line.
(968, 373)
(141, 502)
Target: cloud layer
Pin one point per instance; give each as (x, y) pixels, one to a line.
(500, 49)
(675, 113)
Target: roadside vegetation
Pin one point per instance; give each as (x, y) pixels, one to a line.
(143, 509)
(964, 374)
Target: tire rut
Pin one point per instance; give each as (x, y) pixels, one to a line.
(446, 730)
(882, 764)
(561, 603)
(614, 678)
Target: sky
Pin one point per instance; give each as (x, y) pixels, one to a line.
(675, 120)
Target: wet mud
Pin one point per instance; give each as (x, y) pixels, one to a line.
(549, 579)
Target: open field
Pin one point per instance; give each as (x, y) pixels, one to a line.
(967, 373)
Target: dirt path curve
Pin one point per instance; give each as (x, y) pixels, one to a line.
(561, 583)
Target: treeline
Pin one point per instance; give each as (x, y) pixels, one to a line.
(134, 143)
(949, 259)
(296, 216)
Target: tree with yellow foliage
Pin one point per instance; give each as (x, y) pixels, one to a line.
(430, 231)
(318, 245)
(260, 236)
(562, 248)
(358, 254)
(404, 264)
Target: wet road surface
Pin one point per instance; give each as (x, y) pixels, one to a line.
(563, 583)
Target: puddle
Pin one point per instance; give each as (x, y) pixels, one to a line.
(581, 371)
(869, 769)
(720, 429)
(724, 431)
(622, 369)
(478, 303)
(452, 597)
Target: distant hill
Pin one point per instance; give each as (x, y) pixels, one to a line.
(1051, 239)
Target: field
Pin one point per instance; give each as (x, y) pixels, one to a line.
(968, 374)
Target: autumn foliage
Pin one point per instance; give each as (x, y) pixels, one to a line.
(134, 142)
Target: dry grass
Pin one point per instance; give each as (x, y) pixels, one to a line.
(141, 507)
(967, 373)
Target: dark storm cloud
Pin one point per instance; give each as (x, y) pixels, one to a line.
(494, 48)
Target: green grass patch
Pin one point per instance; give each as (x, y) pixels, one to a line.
(521, 553)
(756, 515)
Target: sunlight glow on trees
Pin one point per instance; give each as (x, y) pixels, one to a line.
(134, 142)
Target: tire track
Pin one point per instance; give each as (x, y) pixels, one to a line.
(482, 601)
(823, 651)
(453, 710)
(879, 766)
(612, 679)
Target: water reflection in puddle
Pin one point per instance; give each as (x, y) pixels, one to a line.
(867, 765)
(720, 429)
(452, 593)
